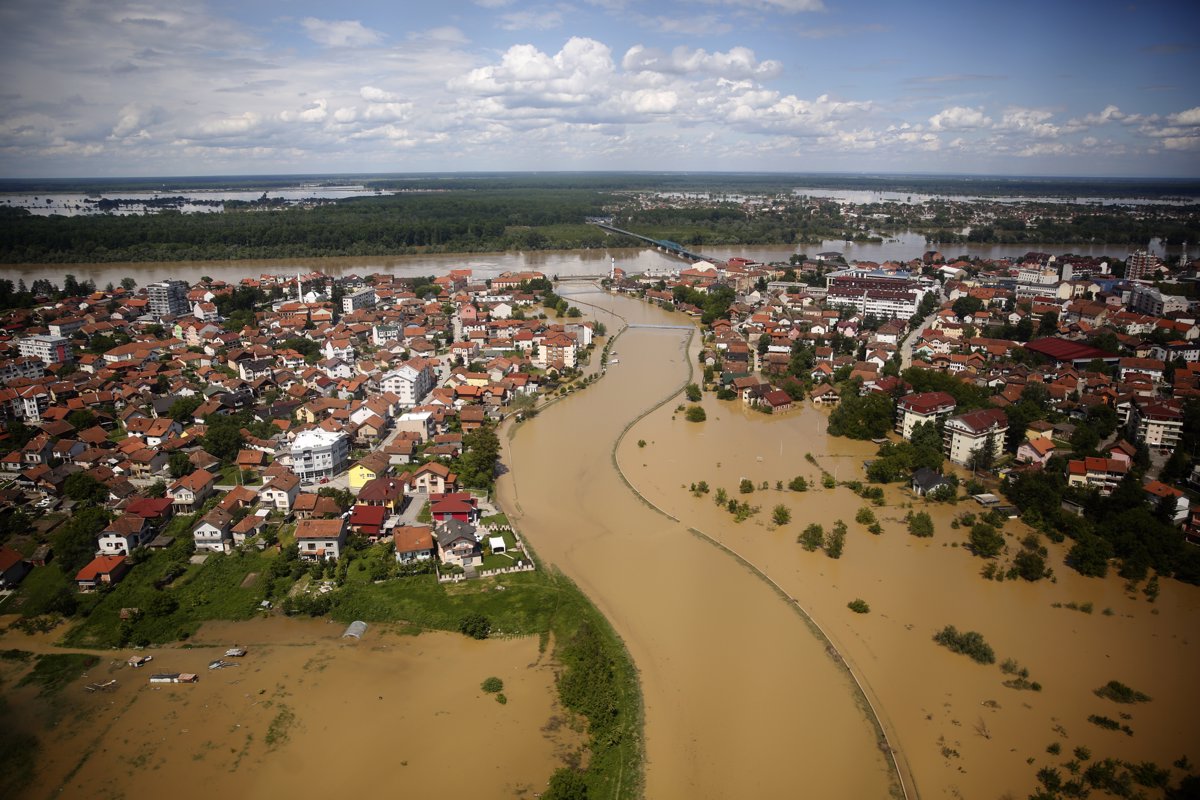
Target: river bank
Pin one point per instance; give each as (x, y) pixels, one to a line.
(740, 698)
(903, 247)
(960, 730)
(305, 713)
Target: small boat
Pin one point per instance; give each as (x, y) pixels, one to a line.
(235, 652)
(139, 661)
(221, 664)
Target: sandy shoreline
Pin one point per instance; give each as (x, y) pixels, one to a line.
(306, 713)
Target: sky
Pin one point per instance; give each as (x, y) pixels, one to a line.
(163, 87)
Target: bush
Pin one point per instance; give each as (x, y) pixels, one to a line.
(477, 626)
(1120, 693)
(969, 643)
(858, 606)
(812, 537)
(865, 516)
(985, 540)
(835, 542)
(492, 685)
(798, 484)
(781, 515)
(920, 524)
(693, 392)
(695, 414)
(746, 486)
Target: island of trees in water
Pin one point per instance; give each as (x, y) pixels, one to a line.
(500, 212)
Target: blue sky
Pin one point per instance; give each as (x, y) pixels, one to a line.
(159, 87)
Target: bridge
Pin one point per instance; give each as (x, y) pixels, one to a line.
(665, 245)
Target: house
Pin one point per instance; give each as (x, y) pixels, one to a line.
(1036, 451)
(321, 538)
(968, 433)
(385, 492)
(914, 409)
(156, 509)
(214, 533)
(373, 465)
(925, 481)
(825, 395)
(101, 569)
(413, 543)
(777, 400)
(368, 521)
(280, 492)
(434, 478)
(453, 505)
(190, 491)
(1159, 494)
(13, 567)
(457, 545)
(125, 534)
(1104, 474)
(250, 525)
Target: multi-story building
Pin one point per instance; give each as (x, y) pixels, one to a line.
(168, 298)
(319, 453)
(363, 298)
(1149, 300)
(968, 433)
(49, 349)
(925, 407)
(23, 367)
(410, 382)
(1158, 425)
(1094, 472)
(1141, 264)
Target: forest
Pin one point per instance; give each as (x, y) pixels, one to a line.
(509, 212)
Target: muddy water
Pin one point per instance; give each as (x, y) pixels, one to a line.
(306, 714)
(960, 732)
(741, 700)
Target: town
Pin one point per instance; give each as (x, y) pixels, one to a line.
(322, 419)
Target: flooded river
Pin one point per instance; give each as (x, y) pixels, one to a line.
(961, 733)
(304, 714)
(741, 699)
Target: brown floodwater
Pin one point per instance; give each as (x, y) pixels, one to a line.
(960, 732)
(304, 714)
(741, 699)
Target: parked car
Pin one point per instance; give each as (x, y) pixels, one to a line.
(324, 480)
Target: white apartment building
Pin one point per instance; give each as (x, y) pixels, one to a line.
(319, 453)
(969, 432)
(363, 298)
(409, 383)
(49, 349)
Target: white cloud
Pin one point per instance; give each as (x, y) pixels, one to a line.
(1182, 142)
(1030, 121)
(786, 6)
(228, 126)
(133, 119)
(373, 94)
(1189, 117)
(314, 112)
(340, 33)
(738, 62)
(537, 20)
(959, 118)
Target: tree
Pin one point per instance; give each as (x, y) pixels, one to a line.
(566, 784)
(781, 515)
(481, 452)
(985, 540)
(966, 306)
(1049, 324)
(1029, 565)
(695, 414)
(223, 440)
(812, 537)
(182, 409)
(83, 488)
(835, 542)
(920, 524)
(693, 393)
(477, 626)
(81, 418)
(798, 484)
(746, 486)
(867, 417)
(128, 284)
(1090, 555)
(75, 540)
(180, 465)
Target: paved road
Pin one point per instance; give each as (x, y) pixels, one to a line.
(906, 347)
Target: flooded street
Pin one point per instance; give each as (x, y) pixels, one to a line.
(741, 699)
(961, 733)
(304, 714)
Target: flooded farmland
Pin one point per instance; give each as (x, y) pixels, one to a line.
(304, 714)
(741, 699)
(960, 732)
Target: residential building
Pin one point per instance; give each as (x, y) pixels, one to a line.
(214, 533)
(1159, 425)
(1176, 502)
(410, 382)
(363, 298)
(413, 543)
(125, 534)
(1104, 474)
(101, 569)
(280, 492)
(321, 538)
(457, 545)
(48, 349)
(168, 298)
(1150, 300)
(968, 433)
(1141, 265)
(319, 453)
(924, 407)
